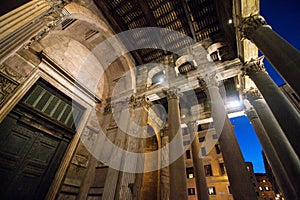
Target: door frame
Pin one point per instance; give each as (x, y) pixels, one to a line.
(52, 73)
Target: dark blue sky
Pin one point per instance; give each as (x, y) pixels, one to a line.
(284, 18)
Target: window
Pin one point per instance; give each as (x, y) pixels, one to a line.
(188, 154)
(248, 168)
(229, 189)
(191, 191)
(199, 128)
(190, 172)
(267, 188)
(208, 171)
(222, 168)
(211, 190)
(218, 149)
(201, 139)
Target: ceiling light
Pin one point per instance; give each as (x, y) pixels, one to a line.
(233, 104)
(230, 21)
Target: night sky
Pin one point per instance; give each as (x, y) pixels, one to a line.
(284, 18)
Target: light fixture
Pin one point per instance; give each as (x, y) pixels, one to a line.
(233, 104)
(230, 21)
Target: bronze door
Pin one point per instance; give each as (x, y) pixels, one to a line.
(29, 159)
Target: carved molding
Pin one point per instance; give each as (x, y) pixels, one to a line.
(253, 66)
(7, 87)
(252, 95)
(52, 18)
(251, 24)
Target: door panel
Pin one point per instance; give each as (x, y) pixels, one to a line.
(15, 144)
(29, 160)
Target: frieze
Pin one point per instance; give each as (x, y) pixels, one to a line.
(51, 19)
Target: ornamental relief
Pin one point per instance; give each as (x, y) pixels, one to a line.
(11, 73)
(7, 87)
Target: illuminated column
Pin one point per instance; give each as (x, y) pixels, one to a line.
(178, 185)
(283, 56)
(133, 159)
(285, 113)
(164, 172)
(238, 176)
(282, 158)
(199, 172)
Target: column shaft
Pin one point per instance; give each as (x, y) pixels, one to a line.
(286, 115)
(238, 176)
(283, 56)
(178, 185)
(130, 182)
(165, 172)
(289, 172)
(200, 178)
(271, 155)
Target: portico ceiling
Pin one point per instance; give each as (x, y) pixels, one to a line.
(205, 21)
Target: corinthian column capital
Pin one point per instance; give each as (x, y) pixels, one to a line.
(252, 95)
(251, 24)
(253, 66)
(210, 80)
(137, 102)
(172, 93)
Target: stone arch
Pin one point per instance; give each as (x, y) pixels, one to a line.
(81, 13)
(89, 55)
(152, 73)
(64, 51)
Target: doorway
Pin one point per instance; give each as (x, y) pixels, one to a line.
(33, 143)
